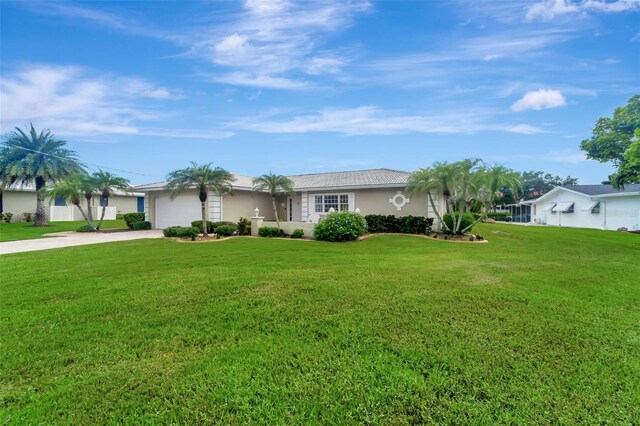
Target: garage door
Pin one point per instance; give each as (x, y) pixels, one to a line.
(181, 211)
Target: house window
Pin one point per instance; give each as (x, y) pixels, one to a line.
(596, 209)
(338, 202)
(104, 201)
(59, 202)
(140, 204)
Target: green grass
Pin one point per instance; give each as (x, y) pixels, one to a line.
(540, 326)
(26, 230)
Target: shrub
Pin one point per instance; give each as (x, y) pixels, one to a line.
(500, 216)
(119, 216)
(86, 228)
(27, 217)
(225, 230)
(270, 232)
(340, 226)
(407, 224)
(297, 233)
(244, 226)
(467, 219)
(140, 226)
(198, 224)
(131, 218)
(188, 232)
(232, 224)
(171, 231)
(6, 217)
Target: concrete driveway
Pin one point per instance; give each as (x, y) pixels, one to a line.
(71, 239)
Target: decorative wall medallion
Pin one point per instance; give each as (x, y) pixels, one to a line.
(399, 200)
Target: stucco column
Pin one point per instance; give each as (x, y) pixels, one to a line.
(256, 223)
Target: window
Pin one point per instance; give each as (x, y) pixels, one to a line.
(140, 204)
(104, 201)
(594, 207)
(563, 207)
(59, 202)
(337, 202)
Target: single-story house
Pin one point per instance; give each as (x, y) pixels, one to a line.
(377, 191)
(22, 199)
(589, 206)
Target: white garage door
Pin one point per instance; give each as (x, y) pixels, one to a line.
(181, 211)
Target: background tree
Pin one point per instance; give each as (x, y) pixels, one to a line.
(106, 183)
(274, 185)
(71, 190)
(534, 184)
(203, 178)
(32, 158)
(614, 140)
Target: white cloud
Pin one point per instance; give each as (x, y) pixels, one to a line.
(549, 9)
(539, 99)
(74, 101)
(568, 157)
(370, 120)
(257, 80)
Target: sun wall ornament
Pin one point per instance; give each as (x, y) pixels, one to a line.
(399, 200)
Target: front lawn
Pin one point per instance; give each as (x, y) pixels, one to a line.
(540, 326)
(26, 230)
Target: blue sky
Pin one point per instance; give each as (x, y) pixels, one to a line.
(305, 87)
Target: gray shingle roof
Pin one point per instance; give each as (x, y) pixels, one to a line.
(352, 179)
(602, 189)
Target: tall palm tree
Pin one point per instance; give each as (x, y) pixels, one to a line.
(106, 183)
(71, 190)
(274, 185)
(499, 177)
(428, 180)
(35, 158)
(203, 178)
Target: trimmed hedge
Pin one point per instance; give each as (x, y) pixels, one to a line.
(131, 218)
(198, 224)
(270, 232)
(297, 233)
(467, 219)
(225, 230)
(340, 227)
(188, 232)
(140, 226)
(232, 224)
(377, 223)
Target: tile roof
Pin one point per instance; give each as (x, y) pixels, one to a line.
(602, 189)
(351, 179)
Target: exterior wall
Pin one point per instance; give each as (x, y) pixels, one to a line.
(243, 204)
(123, 204)
(615, 212)
(18, 202)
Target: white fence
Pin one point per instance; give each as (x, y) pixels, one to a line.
(288, 227)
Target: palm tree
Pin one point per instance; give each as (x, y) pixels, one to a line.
(106, 183)
(274, 185)
(499, 177)
(35, 158)
(70, 190)
(204, 179)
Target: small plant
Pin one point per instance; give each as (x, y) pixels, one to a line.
(6, 217)
(131, 218)
(297, 233)
(188, 232)
(140, 226)
(244, 226)
(467, 219)
(225, 230)
(171, 231)
(340, 226)
(119, 216)
(28, 217)
(198, 224)
(270, 232)
(86, 228)
(232, 224)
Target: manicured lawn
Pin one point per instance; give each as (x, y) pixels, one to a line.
(26, 231)
(540, 326)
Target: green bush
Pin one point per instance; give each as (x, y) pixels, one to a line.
(140, 226)
(171, 231)
(198, 224)
(232, 224)
(406, 224)
(244, 226)
(119, 216)
(225, 230)
(188, 232)
(86, 228)
(297, 233)
(500, 216)
(6, 217)
(340, 226)
(467, 219)
(131, 218)
(270, 232)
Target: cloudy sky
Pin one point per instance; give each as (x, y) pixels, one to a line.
(302, 87)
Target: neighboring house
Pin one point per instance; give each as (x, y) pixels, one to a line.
(22, 199)
(589, 206)
(377, 191)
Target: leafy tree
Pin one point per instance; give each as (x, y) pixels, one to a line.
(615, 140)
(36, 158)
(106, 183)
(72, 190)
(534, 184)
(274, 185)
(203, 178)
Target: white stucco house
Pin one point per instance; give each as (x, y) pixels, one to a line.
(589, 206)
(377, 191)
(22, 199)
